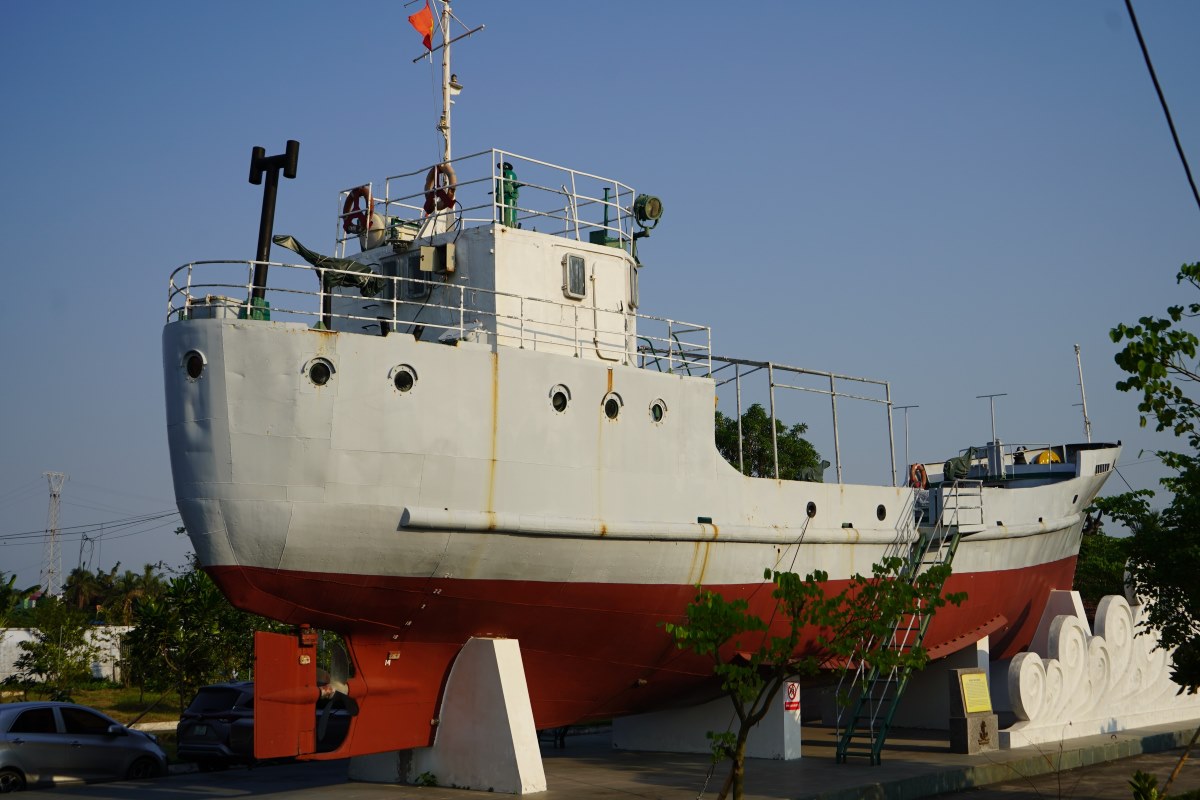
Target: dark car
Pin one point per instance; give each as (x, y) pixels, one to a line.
(217, 729)
(48, 743)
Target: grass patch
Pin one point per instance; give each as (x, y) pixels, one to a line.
(122, 704)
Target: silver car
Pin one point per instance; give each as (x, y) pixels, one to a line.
(47, 743)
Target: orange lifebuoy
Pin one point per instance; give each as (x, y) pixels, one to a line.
(356, 216)
(917, 477)
(440, 183)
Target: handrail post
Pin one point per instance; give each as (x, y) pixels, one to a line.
(837, 451)
(737, 384)
(774, 437)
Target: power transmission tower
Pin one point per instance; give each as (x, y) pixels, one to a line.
(52, 559)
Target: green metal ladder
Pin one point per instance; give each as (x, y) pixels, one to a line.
(868, 725)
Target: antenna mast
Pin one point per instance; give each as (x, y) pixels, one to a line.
(1087, 422)
(444, 124)
(52, 559)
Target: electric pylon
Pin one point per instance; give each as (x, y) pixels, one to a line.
(52, 559)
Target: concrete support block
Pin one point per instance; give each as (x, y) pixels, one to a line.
(974, 733)
(485, 735)
(683, 730)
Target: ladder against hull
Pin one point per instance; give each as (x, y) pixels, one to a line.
(880, 691)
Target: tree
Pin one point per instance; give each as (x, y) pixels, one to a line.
(190, 636)
(60, 655)
(819, 629)
(1100, 569)
(12, 599)
(1159, 355)
(798, 459)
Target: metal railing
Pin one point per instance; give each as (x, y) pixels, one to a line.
(527, 193)
(451, 311)
(743, 368)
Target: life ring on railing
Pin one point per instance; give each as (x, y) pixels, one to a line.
(356, 215)
(440, 183)
(917, 477)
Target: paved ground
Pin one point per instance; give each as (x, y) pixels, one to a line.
(916, 765)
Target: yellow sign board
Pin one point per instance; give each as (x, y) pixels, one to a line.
(976, 697)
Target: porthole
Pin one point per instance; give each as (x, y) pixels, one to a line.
(560, 397)
(319, 371)
(658, 410)
(193, 364)
(811, 510)
(612, 405)
(880, 512)
(404, 378)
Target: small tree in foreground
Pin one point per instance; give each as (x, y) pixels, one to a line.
(59, 656)
(820, 630)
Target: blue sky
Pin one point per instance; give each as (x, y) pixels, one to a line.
(944, 195)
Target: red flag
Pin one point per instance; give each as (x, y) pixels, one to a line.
(423, 22)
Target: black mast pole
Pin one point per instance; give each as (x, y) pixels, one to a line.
(261, 163)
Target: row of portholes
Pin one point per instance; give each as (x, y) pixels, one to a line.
(319, 371)
(880, 513)
(560, 399)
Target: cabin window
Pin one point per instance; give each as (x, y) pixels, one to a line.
(574, 277)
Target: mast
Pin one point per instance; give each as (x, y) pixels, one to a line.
(444, 124)
(1087, 422)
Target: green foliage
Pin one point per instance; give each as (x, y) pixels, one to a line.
(109, 596)
(1145, 786)
(61, 652)
(1164, 547)
(1100, 569)
(798, 459)
(754, 659)
(189, 637)
(1158, 353)
(12, 601)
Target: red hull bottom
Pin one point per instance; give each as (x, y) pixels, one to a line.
(590, 651)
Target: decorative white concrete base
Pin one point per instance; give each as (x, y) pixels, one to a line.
(683, 730)
(485, 737)
(1072, 684)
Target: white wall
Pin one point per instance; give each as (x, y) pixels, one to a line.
(106, 637)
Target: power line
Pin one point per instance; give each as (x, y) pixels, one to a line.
(1163, 100)
(91, 527)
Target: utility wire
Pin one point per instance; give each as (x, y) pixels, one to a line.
(1163, 101)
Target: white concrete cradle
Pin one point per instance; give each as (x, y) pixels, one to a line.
(1072, 683)
(485, 738)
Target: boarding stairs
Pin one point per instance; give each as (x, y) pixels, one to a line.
(879, 691)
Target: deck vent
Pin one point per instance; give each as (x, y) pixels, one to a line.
(847, 524)
(704, 520)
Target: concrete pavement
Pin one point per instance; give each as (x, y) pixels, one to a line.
(916, 765)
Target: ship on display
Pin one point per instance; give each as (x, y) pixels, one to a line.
(460, 424)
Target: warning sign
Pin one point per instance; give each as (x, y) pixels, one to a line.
(791, 697)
